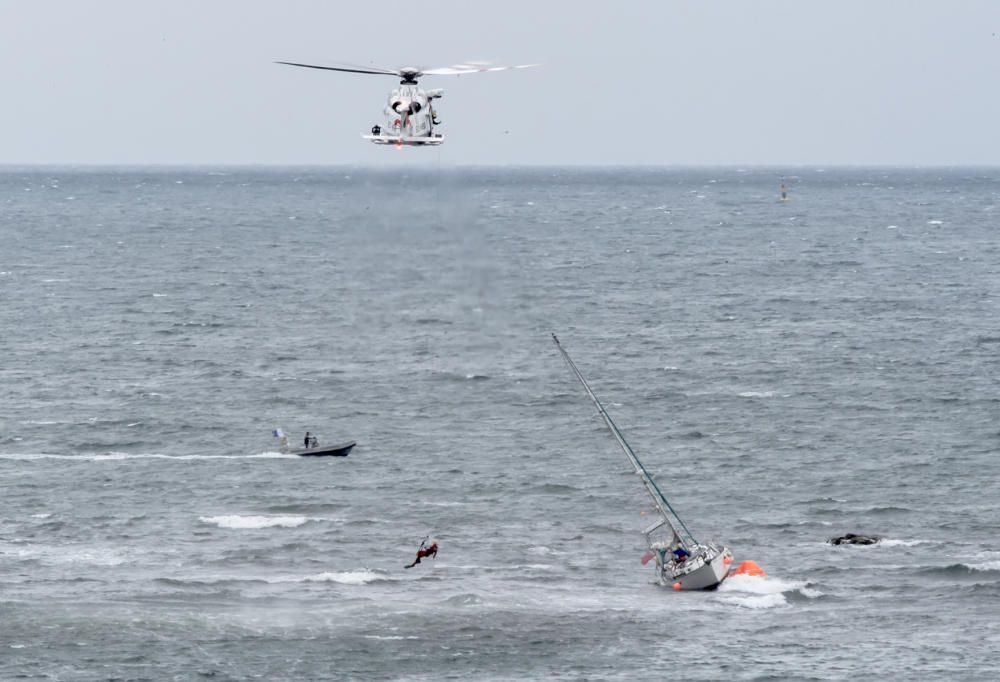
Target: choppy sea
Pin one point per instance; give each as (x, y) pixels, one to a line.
(789, 372)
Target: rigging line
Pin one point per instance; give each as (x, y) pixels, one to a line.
(629, 452)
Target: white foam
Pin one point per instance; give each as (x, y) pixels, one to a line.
(116, 456)
(985, 566)
(542, 550)
(110, 457)
(900, 543)
(67, 555)
(365, 575)
(238, 522)
(761, 592)
(758, 584)
(935, 222)
(40, 516)
(757, 394)
(758, 601)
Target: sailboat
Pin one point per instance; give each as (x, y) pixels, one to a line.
(784, 193)
(682, 562)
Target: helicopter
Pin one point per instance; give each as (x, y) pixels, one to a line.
(410, 114)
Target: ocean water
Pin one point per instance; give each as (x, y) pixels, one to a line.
(789, 372)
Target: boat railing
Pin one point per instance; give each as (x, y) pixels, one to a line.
(661, 538)
(656, 525)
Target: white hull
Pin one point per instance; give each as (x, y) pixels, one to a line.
(701, 572)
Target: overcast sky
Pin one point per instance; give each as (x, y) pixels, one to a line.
(666, 82)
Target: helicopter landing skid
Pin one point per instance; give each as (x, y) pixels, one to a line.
(403, 140)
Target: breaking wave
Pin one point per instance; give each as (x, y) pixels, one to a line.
(966, 570)
(360, 577)
(763, 592)
(65, 555)
(253, 522)
(889, 542)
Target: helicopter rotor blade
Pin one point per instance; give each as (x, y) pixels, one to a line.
(379, 72)
(472, 67)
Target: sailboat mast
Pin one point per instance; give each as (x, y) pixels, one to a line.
(659, 499)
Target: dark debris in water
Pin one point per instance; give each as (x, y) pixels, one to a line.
(853, 539)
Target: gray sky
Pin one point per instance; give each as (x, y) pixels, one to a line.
(664, 82)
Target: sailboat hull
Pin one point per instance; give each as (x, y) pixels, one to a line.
(701, 574)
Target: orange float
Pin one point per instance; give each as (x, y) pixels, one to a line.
(747, 568)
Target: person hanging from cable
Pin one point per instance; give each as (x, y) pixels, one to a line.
(425, 551)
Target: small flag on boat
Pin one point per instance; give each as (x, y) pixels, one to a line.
(278, 433)
(646, 557)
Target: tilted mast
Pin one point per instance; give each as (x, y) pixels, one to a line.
(659, 499)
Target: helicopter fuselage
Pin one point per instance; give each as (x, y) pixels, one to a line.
(410, 117)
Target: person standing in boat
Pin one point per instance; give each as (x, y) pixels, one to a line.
(681, 555)
(307, 440)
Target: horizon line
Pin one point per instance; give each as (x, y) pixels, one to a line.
(439, 168)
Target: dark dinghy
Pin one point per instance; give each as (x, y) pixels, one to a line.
(341, 450)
